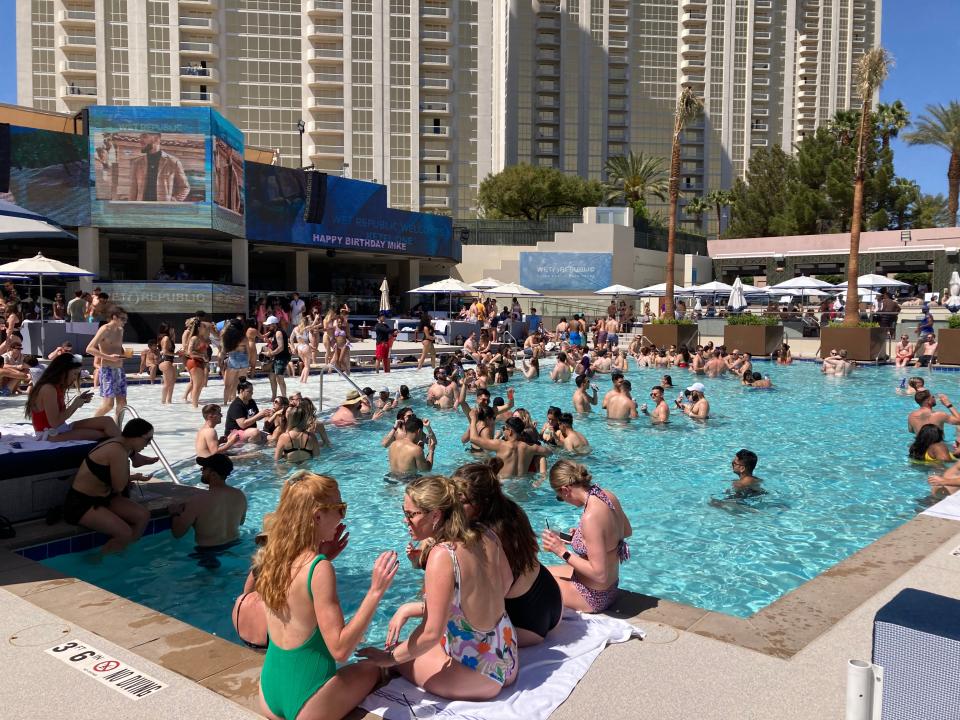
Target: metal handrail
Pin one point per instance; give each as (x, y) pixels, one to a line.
(341, 374)
(153, 443)
(513, 340)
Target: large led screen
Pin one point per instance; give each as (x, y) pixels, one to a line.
(565, 270)
(50, 174)
(355, 216)
(155, 167)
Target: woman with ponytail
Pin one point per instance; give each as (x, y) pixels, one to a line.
(533, 600)
(306, 632)
(591, 573)
(467, 575)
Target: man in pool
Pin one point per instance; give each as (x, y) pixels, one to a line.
(616, 379)
(661, 411)
(349, 411)
(715, 365)
(243, 414)
(582, 402)
(443, 392)
(215, 515)
(925, 414)
(747, 485)
(207, 441)
(570, 439)
(515, 453)
(699, 407)
(619, 404)
(406, 453)
(562, 370)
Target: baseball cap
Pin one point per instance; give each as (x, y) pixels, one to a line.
(697, 387)
(272, 320)
(218, 462)
(385, 390)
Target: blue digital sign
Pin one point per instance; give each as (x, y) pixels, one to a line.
(565, 271)
(355, 216)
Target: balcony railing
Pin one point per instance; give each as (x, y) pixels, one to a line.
(434, 107)
(82, 16)
(324, 126)
(334, 5)
(327, 150)
(434, 177)
(86, 40)
(438, 130)
(73, 89)
(435, 201)
(199, 96)
(429, 83)
(83, 66)
(434, 154)
(323, 77)
(326, 54)
(432, 11)
(436, 35)
(196, 22)
(197, 48)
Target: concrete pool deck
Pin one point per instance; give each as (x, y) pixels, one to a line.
(788, 659)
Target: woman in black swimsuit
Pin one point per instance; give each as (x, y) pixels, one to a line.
(167, 352)
(429, 338)
(533, 601)
(297, 444)
(98, 497)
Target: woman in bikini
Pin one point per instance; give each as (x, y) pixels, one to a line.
(591, 573)
(297, 444)
(168, 354)
(329, 328)
(196, 354)
(249, 613)
(341, 346)
(467, 575)
(252, 336)
(300, 342)
(429, 339)
(234, 345)
(307, 635)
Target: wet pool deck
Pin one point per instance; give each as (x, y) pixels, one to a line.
(788, 659)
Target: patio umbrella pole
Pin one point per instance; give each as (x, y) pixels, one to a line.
(43, 348)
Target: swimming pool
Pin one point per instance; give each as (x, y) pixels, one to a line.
(832, 452)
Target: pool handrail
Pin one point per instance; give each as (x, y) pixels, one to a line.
(153, 443)
(341, 374)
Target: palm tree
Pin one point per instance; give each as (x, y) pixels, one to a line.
(688, 107)
(891, 119)
(872, 70)
(844, 125)
(719, 199)
(631, 178)
(696, 207)
(941, 127)
(929, 211)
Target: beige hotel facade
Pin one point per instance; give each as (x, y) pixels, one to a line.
(430, 96)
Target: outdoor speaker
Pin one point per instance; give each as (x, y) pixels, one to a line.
(4, 157)
(316, 196)
(916, 640)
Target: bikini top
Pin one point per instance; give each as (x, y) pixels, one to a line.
(580, 547)
(293, 448)
(101, 471)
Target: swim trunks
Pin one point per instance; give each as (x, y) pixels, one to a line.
(113, 382)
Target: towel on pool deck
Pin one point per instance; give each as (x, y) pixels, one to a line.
(948, 508)
(23, 434)
(548, 674)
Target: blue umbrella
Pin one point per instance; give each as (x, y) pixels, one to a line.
(17, 223)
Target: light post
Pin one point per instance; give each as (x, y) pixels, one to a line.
(301, 126)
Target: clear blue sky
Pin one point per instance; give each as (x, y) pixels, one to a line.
(922, 36)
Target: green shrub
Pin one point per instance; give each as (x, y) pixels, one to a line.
(954, 322)
(748, 319)
(839, 323)
(671, 321)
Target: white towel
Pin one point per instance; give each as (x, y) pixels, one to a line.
(948, 508)
(26, 437)
(548, 674)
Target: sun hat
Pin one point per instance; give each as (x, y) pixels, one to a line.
(272, 320)
(697, 387)
(218, 462)
(353, 397)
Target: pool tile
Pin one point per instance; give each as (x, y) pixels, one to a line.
(240, 683)
(130, 624)
(81, 543)
(194, 653)
(35, 553)
(58, 547)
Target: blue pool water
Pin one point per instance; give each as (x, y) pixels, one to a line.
(832, 452)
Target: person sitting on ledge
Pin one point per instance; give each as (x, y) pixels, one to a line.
(47, 407)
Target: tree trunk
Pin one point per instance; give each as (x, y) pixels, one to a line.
(851, 313)
(672, 218)
(953, 188)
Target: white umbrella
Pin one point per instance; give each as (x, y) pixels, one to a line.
(444, 287)
(514, 290)
(711, 288)
(43, 266)
(803, 282)
(615, 290)
(486, 283)
(17, 223)
(660, 289)
(384, 296)
(873, 282)
(737, 301)
(810, 292)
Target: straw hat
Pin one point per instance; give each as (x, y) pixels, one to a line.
(353, 397)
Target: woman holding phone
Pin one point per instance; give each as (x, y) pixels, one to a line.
(48, 409)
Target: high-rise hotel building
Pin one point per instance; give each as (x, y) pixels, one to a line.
(429, 96)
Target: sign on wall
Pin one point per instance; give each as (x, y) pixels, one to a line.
(566, 271)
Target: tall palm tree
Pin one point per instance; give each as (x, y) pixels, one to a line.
(843, 125)
(941, 127)
(891, 119)
(872, 70)
(719, 199)
(688, 107)
(633, 177)
(696, 207)
(929, 211)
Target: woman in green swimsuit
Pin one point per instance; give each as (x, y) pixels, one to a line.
(306, 632)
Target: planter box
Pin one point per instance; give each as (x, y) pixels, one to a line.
(948, 346)
(667, 335)
(758, 340)
(863, 344)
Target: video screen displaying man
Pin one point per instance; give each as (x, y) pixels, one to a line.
(157, 175)
(147, 166)
(227, 176)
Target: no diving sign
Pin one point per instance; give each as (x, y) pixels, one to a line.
(109, 671)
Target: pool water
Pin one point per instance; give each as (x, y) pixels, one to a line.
(833, 454)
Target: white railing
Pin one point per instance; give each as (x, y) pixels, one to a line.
(441, 130)
(196, 47)
(85, 65)
(79, 40)
(434, 177)
(328, 5)
(85, 90)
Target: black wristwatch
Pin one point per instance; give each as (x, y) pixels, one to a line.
(566, 555)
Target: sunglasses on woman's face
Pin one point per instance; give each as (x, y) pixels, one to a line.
(411, 514)
(340, 507)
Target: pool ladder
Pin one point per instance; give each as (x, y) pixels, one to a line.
(341, 374)
(153, 443)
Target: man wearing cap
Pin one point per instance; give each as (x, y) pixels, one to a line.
(385, 336)
(698, 408)
(215, 515)
(349, 411)
(515, 453)
(406, 453)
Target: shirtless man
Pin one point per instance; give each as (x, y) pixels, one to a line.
(619, 405)
(661, 411)
(349, 411)
(697, 362)
(612, 326)
(570, 439)
(562, 370)
(582, 402)
(715, 365)
(470, 347)
(602, 363)
(515, 453)
(925, 414)
(756, 380)
(406, 453)
(746, 366)
(617, 380)
(699, 407)
(733, 361)
(216, 515)
(207, 442)
(397, 431)
(107, 348)
(443, 393)
(836, 363)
